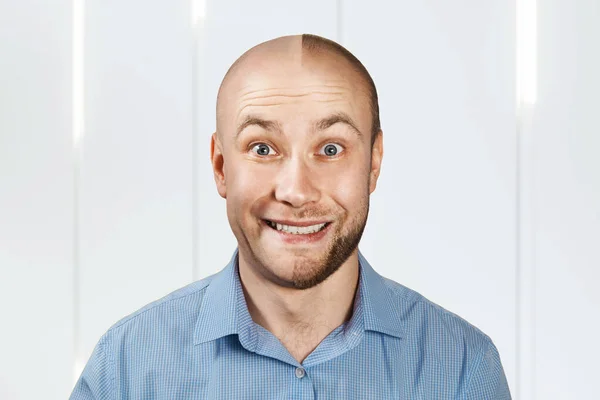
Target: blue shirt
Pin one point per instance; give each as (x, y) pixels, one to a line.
(200, 342)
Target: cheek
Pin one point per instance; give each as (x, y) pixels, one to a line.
(348, 186)
(248, 183)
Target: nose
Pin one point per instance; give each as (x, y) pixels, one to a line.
(296, 184)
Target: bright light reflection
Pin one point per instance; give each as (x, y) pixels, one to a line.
(526, 52)
(77, 71)
(198, 11)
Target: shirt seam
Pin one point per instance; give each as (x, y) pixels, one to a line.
(139, 313)
(111, 371)
(476, 367)
(451, 315)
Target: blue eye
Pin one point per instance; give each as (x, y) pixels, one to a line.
(262, 149)
(331, 149)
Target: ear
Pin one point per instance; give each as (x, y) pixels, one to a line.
(218, 164)
(376, 158)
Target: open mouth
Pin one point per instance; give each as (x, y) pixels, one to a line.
(297, 230)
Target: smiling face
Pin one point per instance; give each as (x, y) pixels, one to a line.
(293, 159)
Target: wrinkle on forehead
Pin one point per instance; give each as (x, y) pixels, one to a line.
(289, 95)
(279, 71)
(248, 92)
(270, 102)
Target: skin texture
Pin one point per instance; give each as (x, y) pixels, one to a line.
(276, 168)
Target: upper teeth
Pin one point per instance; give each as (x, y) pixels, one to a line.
(297, 230)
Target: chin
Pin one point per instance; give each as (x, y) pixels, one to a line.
(300, 271)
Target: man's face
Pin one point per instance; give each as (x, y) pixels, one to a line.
(294, 148)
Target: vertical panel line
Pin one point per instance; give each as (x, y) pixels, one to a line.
(78, 123)
(197, 14)
(526, 87)
(195, 198)
(339, 21)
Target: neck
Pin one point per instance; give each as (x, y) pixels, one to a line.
(305, 316)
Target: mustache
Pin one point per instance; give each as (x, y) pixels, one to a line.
(307, 214)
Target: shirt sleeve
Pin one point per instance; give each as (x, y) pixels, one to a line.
(96, 380)
(488, 381)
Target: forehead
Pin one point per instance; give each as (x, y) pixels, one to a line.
(279, 83)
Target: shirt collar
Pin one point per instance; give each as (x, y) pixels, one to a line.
(224, 311)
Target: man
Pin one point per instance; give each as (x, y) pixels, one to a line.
(298, 313)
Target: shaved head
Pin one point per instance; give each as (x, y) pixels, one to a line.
(297, 50)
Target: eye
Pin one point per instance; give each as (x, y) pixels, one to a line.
(331, 149)
(262, 149)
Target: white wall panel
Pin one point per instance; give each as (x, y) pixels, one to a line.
(36, 200)
(230, 28)
(136, 168)
(566, 189)
(442, 219)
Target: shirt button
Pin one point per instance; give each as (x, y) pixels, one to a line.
(299, 373)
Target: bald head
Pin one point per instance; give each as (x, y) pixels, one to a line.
(290, 52)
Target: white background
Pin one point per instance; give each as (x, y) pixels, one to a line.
(487, 206)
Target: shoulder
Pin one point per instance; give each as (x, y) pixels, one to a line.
(177, 310)
(441, 346)
(417, 307)
(435, 333)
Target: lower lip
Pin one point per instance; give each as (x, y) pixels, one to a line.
(291, 238)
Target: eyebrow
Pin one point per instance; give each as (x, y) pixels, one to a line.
(321, 125)
(339, 117)
(254, 120)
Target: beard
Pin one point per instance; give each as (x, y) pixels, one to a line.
(309, 271)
